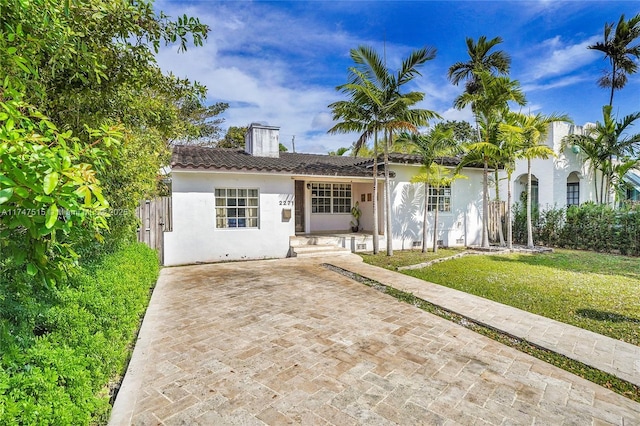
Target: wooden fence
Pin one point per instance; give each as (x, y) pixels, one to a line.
(155, 218)
(497, 217)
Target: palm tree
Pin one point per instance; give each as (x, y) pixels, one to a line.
(496, 63)
(535, 128)
(607, 145)
(371, 83)
(358, 116)
(437, 143)
(434, 178)
(621, 168)
(621, 55)
(489, 104)
(511, 149)
(481, 60)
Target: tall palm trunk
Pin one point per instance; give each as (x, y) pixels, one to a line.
(387, 197)
(613, 79)
(500, 231)
(485, 205)
(509, 224)
(435, 221)
(529, 221)
(424, 218)
(602, 199)
(595, 184)
(376, 242)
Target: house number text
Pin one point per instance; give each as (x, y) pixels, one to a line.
(286, 200)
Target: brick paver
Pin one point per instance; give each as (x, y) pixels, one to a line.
(604, 353)
(289, 342)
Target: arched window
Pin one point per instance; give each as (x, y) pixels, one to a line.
(573, 189)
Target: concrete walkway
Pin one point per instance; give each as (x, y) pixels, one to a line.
(289, 342)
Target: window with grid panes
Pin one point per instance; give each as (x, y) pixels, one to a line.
(573, 193)
(330, 198)
(341, 198)
(441, 196)
(237, 208)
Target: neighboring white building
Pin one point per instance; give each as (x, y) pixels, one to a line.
(558, 181)
(234, 204)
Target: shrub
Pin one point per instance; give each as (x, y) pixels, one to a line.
(519, 213)
(589, 226)
(61, 349)
(549, 227)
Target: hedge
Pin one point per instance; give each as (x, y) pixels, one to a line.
(63, 348)
(589, 226)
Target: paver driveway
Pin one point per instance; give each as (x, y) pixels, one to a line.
(288, 342)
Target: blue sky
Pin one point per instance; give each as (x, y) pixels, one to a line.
(278, 62)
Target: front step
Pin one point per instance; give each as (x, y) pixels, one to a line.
(318, 250)
(317, 240)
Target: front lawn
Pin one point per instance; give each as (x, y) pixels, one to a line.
(597, 292)
(406, 257)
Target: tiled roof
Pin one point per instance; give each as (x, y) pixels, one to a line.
(191, 157)
(399, 158)
(194, 157)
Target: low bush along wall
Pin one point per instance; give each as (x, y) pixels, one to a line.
(587, 227)
(63, 349)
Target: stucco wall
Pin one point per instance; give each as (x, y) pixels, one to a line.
(330, 222)
(195, 237)
(462, 226)
(553, 172)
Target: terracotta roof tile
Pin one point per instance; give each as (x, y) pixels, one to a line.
(193, 157)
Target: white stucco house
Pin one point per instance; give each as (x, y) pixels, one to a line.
(254, 203)
(248, 204)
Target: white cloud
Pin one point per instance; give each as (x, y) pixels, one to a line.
(464, 114)
(262, 62)
(556, 84)
(553, 57)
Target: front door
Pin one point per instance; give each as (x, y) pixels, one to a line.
(299, 214)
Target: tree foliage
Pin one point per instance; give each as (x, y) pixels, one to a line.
(534, 129)
(439, 142)
(490, 104)
(87, 117)
(480, 59)
(378, 103)
(611, 151)
(46, 192)
(622, 54)
(234, 138)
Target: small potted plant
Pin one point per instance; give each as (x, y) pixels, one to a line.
(355, 212)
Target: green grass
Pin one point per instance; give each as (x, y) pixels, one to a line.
(597, 292)
(406, 257)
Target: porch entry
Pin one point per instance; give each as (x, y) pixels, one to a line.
(325, 205)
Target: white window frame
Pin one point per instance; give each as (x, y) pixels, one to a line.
(237, 208)
(331, 198)
(444, 194)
